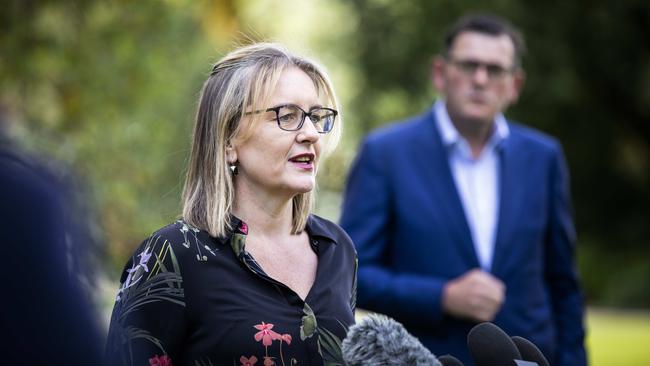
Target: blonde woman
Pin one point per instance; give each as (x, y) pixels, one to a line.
(248, 276)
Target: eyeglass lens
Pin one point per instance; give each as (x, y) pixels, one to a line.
(291, 118)
(470, 67)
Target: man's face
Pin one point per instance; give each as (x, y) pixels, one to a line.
(478, 78)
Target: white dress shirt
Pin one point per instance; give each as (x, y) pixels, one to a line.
(477, 180)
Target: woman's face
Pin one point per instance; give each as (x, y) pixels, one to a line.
(273, 161)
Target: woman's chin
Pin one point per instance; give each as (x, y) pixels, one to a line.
(303, 187)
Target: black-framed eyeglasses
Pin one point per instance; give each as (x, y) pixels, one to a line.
(290, 117)
(469, 68)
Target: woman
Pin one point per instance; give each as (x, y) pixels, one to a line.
(247, 276)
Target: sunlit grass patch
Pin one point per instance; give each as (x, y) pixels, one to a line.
(618, 337)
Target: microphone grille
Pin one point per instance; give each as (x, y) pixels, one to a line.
(449, 360)
(489, 345)
(529, 351)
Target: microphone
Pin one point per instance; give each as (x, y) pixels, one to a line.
(380, 340)
(529, 352)
(449, 360)
(491, 346)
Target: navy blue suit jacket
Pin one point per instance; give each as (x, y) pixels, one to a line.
(404, 214)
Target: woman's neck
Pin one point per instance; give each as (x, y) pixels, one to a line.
(265, 215)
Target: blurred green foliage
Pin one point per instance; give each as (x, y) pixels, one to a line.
(110, 87)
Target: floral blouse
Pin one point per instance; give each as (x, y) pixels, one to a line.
(187, 298)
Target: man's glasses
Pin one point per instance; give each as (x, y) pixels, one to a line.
(469, 68)
(290, 117)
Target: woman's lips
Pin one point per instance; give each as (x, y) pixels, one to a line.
(304, 165)
(303, 161)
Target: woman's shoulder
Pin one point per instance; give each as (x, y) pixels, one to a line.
(175, 231)
(186, 240)
(178, 241)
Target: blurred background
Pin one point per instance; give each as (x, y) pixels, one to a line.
(108, 90)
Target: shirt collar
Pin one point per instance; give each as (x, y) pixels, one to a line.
(450, 135)
(235, 227)
(315, 228)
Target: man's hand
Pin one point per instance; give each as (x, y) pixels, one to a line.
(475, 295)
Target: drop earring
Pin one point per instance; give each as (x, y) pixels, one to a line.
(232, 165)
(233, 169)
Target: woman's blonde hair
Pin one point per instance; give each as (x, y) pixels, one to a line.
(241, 81)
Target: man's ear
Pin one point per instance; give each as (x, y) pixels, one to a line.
(518, 81)
(438, 79)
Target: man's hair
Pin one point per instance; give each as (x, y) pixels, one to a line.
(242, 81)
(490, 25)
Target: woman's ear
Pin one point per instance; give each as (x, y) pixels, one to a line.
(231, 154)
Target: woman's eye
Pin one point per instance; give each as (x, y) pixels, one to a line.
(287, 117)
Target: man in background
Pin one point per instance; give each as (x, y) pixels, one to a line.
(461, 216)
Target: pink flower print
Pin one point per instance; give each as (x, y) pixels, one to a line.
(248, 361)
(163, 360)
(243, 228)
(268, 361)
(265, 334)
(286, 338)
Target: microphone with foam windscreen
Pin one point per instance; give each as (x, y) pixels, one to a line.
(380, 340)
(491, 346)
(529, 352)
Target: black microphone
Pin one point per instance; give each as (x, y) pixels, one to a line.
(380, 340)
(491, 346)
(529, 352)
(449, 360)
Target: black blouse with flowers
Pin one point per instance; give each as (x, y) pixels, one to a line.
(187, 298)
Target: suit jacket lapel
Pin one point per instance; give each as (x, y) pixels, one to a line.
(437, 172)
(510, 192)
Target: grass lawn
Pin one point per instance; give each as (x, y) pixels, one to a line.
(618, 337)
